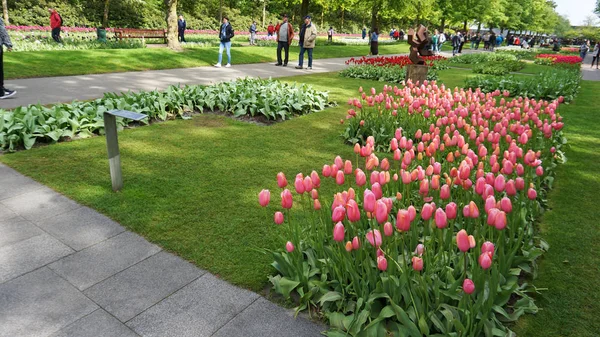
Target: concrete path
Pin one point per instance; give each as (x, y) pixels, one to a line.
(66, 270)
(64, 89)
(589, 73)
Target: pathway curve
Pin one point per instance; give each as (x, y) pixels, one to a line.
(62, 89)
(66, 270)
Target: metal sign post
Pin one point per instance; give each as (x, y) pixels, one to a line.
(112, 143)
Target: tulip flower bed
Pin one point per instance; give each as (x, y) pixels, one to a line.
(401, 61)
(271, 99)
(72, 40)
(434, 241)
(482, 58)
(558, 59)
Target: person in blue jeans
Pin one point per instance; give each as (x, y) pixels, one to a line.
(308, 35)
(225, 35)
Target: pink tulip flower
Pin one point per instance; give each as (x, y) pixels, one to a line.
(339, 178)
(388, 229)
(417, 263)
(278, 218)
(308, 184)
(326, 171)
(506, 205)
(381, 213)
(382, 263)
(355, 243)
(348, 246)
(420, 249)
(361, 178)
(369, 201)
(403, 220)
(353, 211)
(427, 212)
(485, 260)
(472, 242)
(451, 210)
(281, 180)
(462, 241)
(264, 197)
(286, 199)
(488, 247)
(374, 239)
(339, 213)
(445, 192)
(441, 220)
(299, 185)
(531, 193)
(316, 204)
(500, 221)
(468, 286)
(289, 246)
(338, 232)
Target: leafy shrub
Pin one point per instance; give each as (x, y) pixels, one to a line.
(272, 99)
(390, 254)
(40, 41)
(520, 54)
(498, 68)
(482, 58)
(550, 84)
(383, 61)
(545, 61)
(393, 74)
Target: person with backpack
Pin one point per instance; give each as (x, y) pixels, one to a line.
(253, 33)
(55, 23)
(225, 36)
(4, 41)
(181, 26)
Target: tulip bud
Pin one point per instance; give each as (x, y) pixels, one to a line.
(348, 246)
(462, 241)
(361, 178)
(316, 204)
(488, 247)
(417, 263)
(374, 237)
(388, 230)
(338, 232)
(339, 213)
(281, 180)
(369, 201)
(278, 218)
(382, 263)
(506, 205)
(264, 197)
(355, 243)
(485, 260)
(286, 199)
(381, 213)
(339, 178)
(353, 211)
(289, 246)
(451, 210)
(299, 185)
(472, 242)
(420, 249)
(531, 193)
(468, 286)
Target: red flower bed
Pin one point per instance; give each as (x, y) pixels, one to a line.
(391, 60)
(570, 59)
(570, 49)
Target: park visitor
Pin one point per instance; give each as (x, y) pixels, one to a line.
(455, 43)
(270, 29)
(462, 42)
(364, 32)
(441, 40)
(285, 36)
(225, 36)
(434, 42)
(253, 33)
(595, 54)
(492, 41)
(375, 42)
(308, 36)
(330, 34)
(583, 49)
(55, 23)
(4, 41)
(181, 25)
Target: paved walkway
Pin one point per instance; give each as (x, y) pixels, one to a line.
(63, 89)
(66, 270)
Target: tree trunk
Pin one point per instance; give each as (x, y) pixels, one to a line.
(443, 24)
(5, 12)
(322, 14)
(105, 18)
(264, 13)
(220, 12)
(375, 14)
(304, 10)
(478, 27)
(171, 17)
(342, 28)
(465, 26)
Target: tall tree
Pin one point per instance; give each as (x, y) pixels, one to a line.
(5, 12)
(171, 17)
(105, 16)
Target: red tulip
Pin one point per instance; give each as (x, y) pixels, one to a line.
(353, 211)
(381, 213)
(388, 230)
(281, 180)
(264, 197)
(369, 201)
(339, 213)
(286, 199)
(355, 243)
(462, 240)
(417, 263)
(374, 239)
(485, 260)
(289, 246)
(338, 232)
(451, 210)
(468, 286)
(278, 218)
(382, 263)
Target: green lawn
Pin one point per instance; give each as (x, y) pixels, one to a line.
(191, 186)
(84, 62)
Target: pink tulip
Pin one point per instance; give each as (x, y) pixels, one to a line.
(412, 213)
(316, 204)
(381, 213)
(316, 180)
(338, 162)
(506, 205)
(403, 220)
(347, 167)
(468, 286)
(286, 199)
(326, 171)
(355, 243)
(485, 260)
(314, 194)
(353, 211)
(473, 210)
(531, 193)
(361, 178)
(388, 229)
(339, 213)
(500, 221)
(488, 247)
(472, 242)
(299, 185)
(348, 246)
(369, 201)
(308, 184)
(491, 216)
(520, 184)
(382, 263)
(339, 178)
(490, 203)
(451, 210)
(374, 239)
(289, 246)
(441, 220)
(417, 263)
(445, 192)
(499, 183)
(338, 232)
(420, 249)
(427, 212)
(462, 241)
(511, 189)
(377, 190)
(281, 180)
(264, 197)
(278, 218)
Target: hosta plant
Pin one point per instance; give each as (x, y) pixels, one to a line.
(434, 241)
(393, 74)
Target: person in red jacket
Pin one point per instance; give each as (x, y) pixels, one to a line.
(55, 24)
(270, 29)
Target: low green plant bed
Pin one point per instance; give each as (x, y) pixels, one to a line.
(273, 100)
(520, 54)
(482, 58)
(394, 74)
(498, 68)
(550, 84)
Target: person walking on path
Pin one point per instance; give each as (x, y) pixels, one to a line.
(441, 40)
(455, 43)
(181, 25)
(375, 42)
(55, 23)
(492, 41)
(583, 49)
(308, 36)
(285, 36)
(330, 34)
(4, 41)
(596, 54)
(253, 33)
(364, 32)
(225, 35)
(270, 29)
(462, 42)
(434, 42)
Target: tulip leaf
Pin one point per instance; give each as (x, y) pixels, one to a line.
(330, 297)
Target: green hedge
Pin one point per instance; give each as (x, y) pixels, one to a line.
(395, 74)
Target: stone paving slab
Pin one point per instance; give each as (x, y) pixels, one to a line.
(135, 289)
(80, 228)
(97, 324)
(27, 255)
(39, 204)
(199, 310)
(6, 214)
(12, 185)
(39, 304)
(17, 229)
(99, 262)
(265, 319)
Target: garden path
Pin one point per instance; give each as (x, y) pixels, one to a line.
(48, 90)
(589, 73)
(66, 270)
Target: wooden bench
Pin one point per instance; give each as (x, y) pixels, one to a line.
(132, 33)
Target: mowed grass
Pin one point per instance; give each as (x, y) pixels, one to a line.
(85, 62)
(191, 187)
